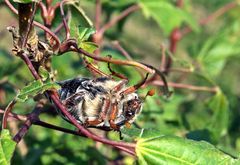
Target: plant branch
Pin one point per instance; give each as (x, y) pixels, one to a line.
(117, 45)
(186, 86)
(98, 13)
(32, 117)
(175, 36)
(14, 115)
(57, 128)
(114, 61)
(116, 19)
(57, 41)
(7, 112)
(67, 30)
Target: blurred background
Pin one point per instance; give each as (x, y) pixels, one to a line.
(200, 37)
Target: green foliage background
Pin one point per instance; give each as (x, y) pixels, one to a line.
(211, 51)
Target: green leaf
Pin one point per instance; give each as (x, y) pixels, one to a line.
(171, 111)
(7, 147)
(78, 18)
(167, 15)
(84, 33)
(44, 73)
(217, 49)
(25, 1)
(219, 122)
(35, 88)
(175, 150)
(88, 46)
(137, 133)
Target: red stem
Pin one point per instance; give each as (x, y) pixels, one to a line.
(98, 13)
(186, 86)
(6, 113)
(67, 30)
(115, 20)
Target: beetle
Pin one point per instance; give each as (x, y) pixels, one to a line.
(102, 102)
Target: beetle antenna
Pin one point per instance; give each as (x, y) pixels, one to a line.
(165, 89)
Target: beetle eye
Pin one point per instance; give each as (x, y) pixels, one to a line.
(129, 113)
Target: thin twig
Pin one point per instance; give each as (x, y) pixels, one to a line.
(174, 37)
(187, 86)
(117, 45)
(98, 13)
(60, 26)
(7, 112)
(29, 65)
(32, 117)
(115, 61)
(15, 116)
(67, 30)
(163, 60)
(77, 133)
(183, 70)
(116, 19)
(54, 127)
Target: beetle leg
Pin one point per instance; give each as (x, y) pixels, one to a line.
(93, 69)
(113, 73)
(135, 87)
(102, 116)
(71, 101)
(119, 86)
(113, 115)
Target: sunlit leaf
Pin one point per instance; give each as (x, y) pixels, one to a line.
(167, 15)
(7, 147)
(35, 88)
(175, 150)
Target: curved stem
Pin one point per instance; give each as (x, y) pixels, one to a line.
(67, 30)
(115, 20)
(187, 86)
(15, 116)
(7, 112)
(114, 61)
